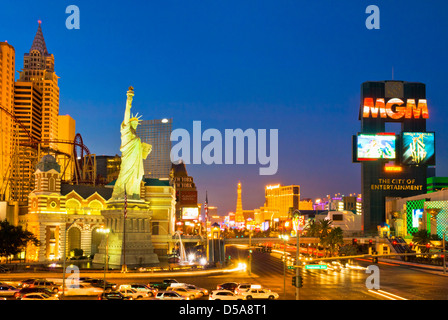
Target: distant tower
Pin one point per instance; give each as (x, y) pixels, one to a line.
(239, 217)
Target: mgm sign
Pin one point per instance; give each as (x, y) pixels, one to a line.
(394, 163)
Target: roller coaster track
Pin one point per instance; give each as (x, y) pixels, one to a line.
(80, 156)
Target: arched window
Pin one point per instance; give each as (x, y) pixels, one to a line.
(51, 184)
(73, 206)
(95, 207)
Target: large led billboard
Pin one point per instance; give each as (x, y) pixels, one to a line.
(417, 215)
(376, 146)
(418, 148)
(190, 213)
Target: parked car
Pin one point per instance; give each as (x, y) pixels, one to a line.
(113, 295)
(7, 290)
(170, 281)
(169, 295)
(143, 288)
(38, 296)
(259, 294)
(23, 291)
(193, 287)
(242, 287)
(185, 292)
(162, 285)
(43, 283)
(231, 286)
(132, 293)
(99, 283)
(82, 290)
(224, 295)
(26, 283)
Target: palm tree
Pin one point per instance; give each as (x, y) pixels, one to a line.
(422, 238)
(334, 239)
(325, 228)
(313, 230)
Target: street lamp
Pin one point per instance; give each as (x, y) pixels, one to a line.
(105, 231)
(285, 237)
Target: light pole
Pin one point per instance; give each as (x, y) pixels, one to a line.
(105, 231)
(297, 229)
(285, 238)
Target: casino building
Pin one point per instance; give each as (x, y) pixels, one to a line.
(393, 164)
(64, 216)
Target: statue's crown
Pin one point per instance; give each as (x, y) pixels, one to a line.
(135, 118)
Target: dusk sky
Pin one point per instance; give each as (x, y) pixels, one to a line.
(296, 66)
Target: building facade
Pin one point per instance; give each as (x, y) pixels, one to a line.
(66, 132)
(7, 125)
(38, 67)
(188, 216)
(65, 217)
(393, 164)
(157, 133)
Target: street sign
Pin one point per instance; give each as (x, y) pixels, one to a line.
(316, 266)
(290, 267)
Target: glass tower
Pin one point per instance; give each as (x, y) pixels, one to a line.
(157, 133)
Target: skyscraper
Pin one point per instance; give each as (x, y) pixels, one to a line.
(157, 133)
(38, 67)
(28, 110)
(7, 70)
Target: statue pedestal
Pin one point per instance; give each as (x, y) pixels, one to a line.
(131, 246)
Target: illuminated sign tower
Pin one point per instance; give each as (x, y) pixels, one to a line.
(393, 164)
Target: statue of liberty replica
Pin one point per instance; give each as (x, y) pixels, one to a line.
(133, 151)
(127, 216)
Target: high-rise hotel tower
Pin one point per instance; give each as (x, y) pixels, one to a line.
(38, 67)
(157, 133)
(7, 70)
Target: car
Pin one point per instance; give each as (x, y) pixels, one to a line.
(18, 295)
(193, 287)
(242, 287)
(38, 296)
(99, 283)
(132, 293)
(169, 295)
(143, 288)
(82, 290)
(185, 292)
(113, 295)
(170, 281)
(43, 283)
(162, 285)
(227, 286)
(26, 283)
(223, 294)
(7, 290)
(259, 293)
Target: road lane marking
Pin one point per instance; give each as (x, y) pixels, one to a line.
(387, 295)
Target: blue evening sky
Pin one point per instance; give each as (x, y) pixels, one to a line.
(296, 66)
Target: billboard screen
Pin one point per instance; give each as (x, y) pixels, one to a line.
(190, 213)
(417, 215)
(418, 148)
(376, 146)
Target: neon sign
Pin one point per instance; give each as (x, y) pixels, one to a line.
(395, 109)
